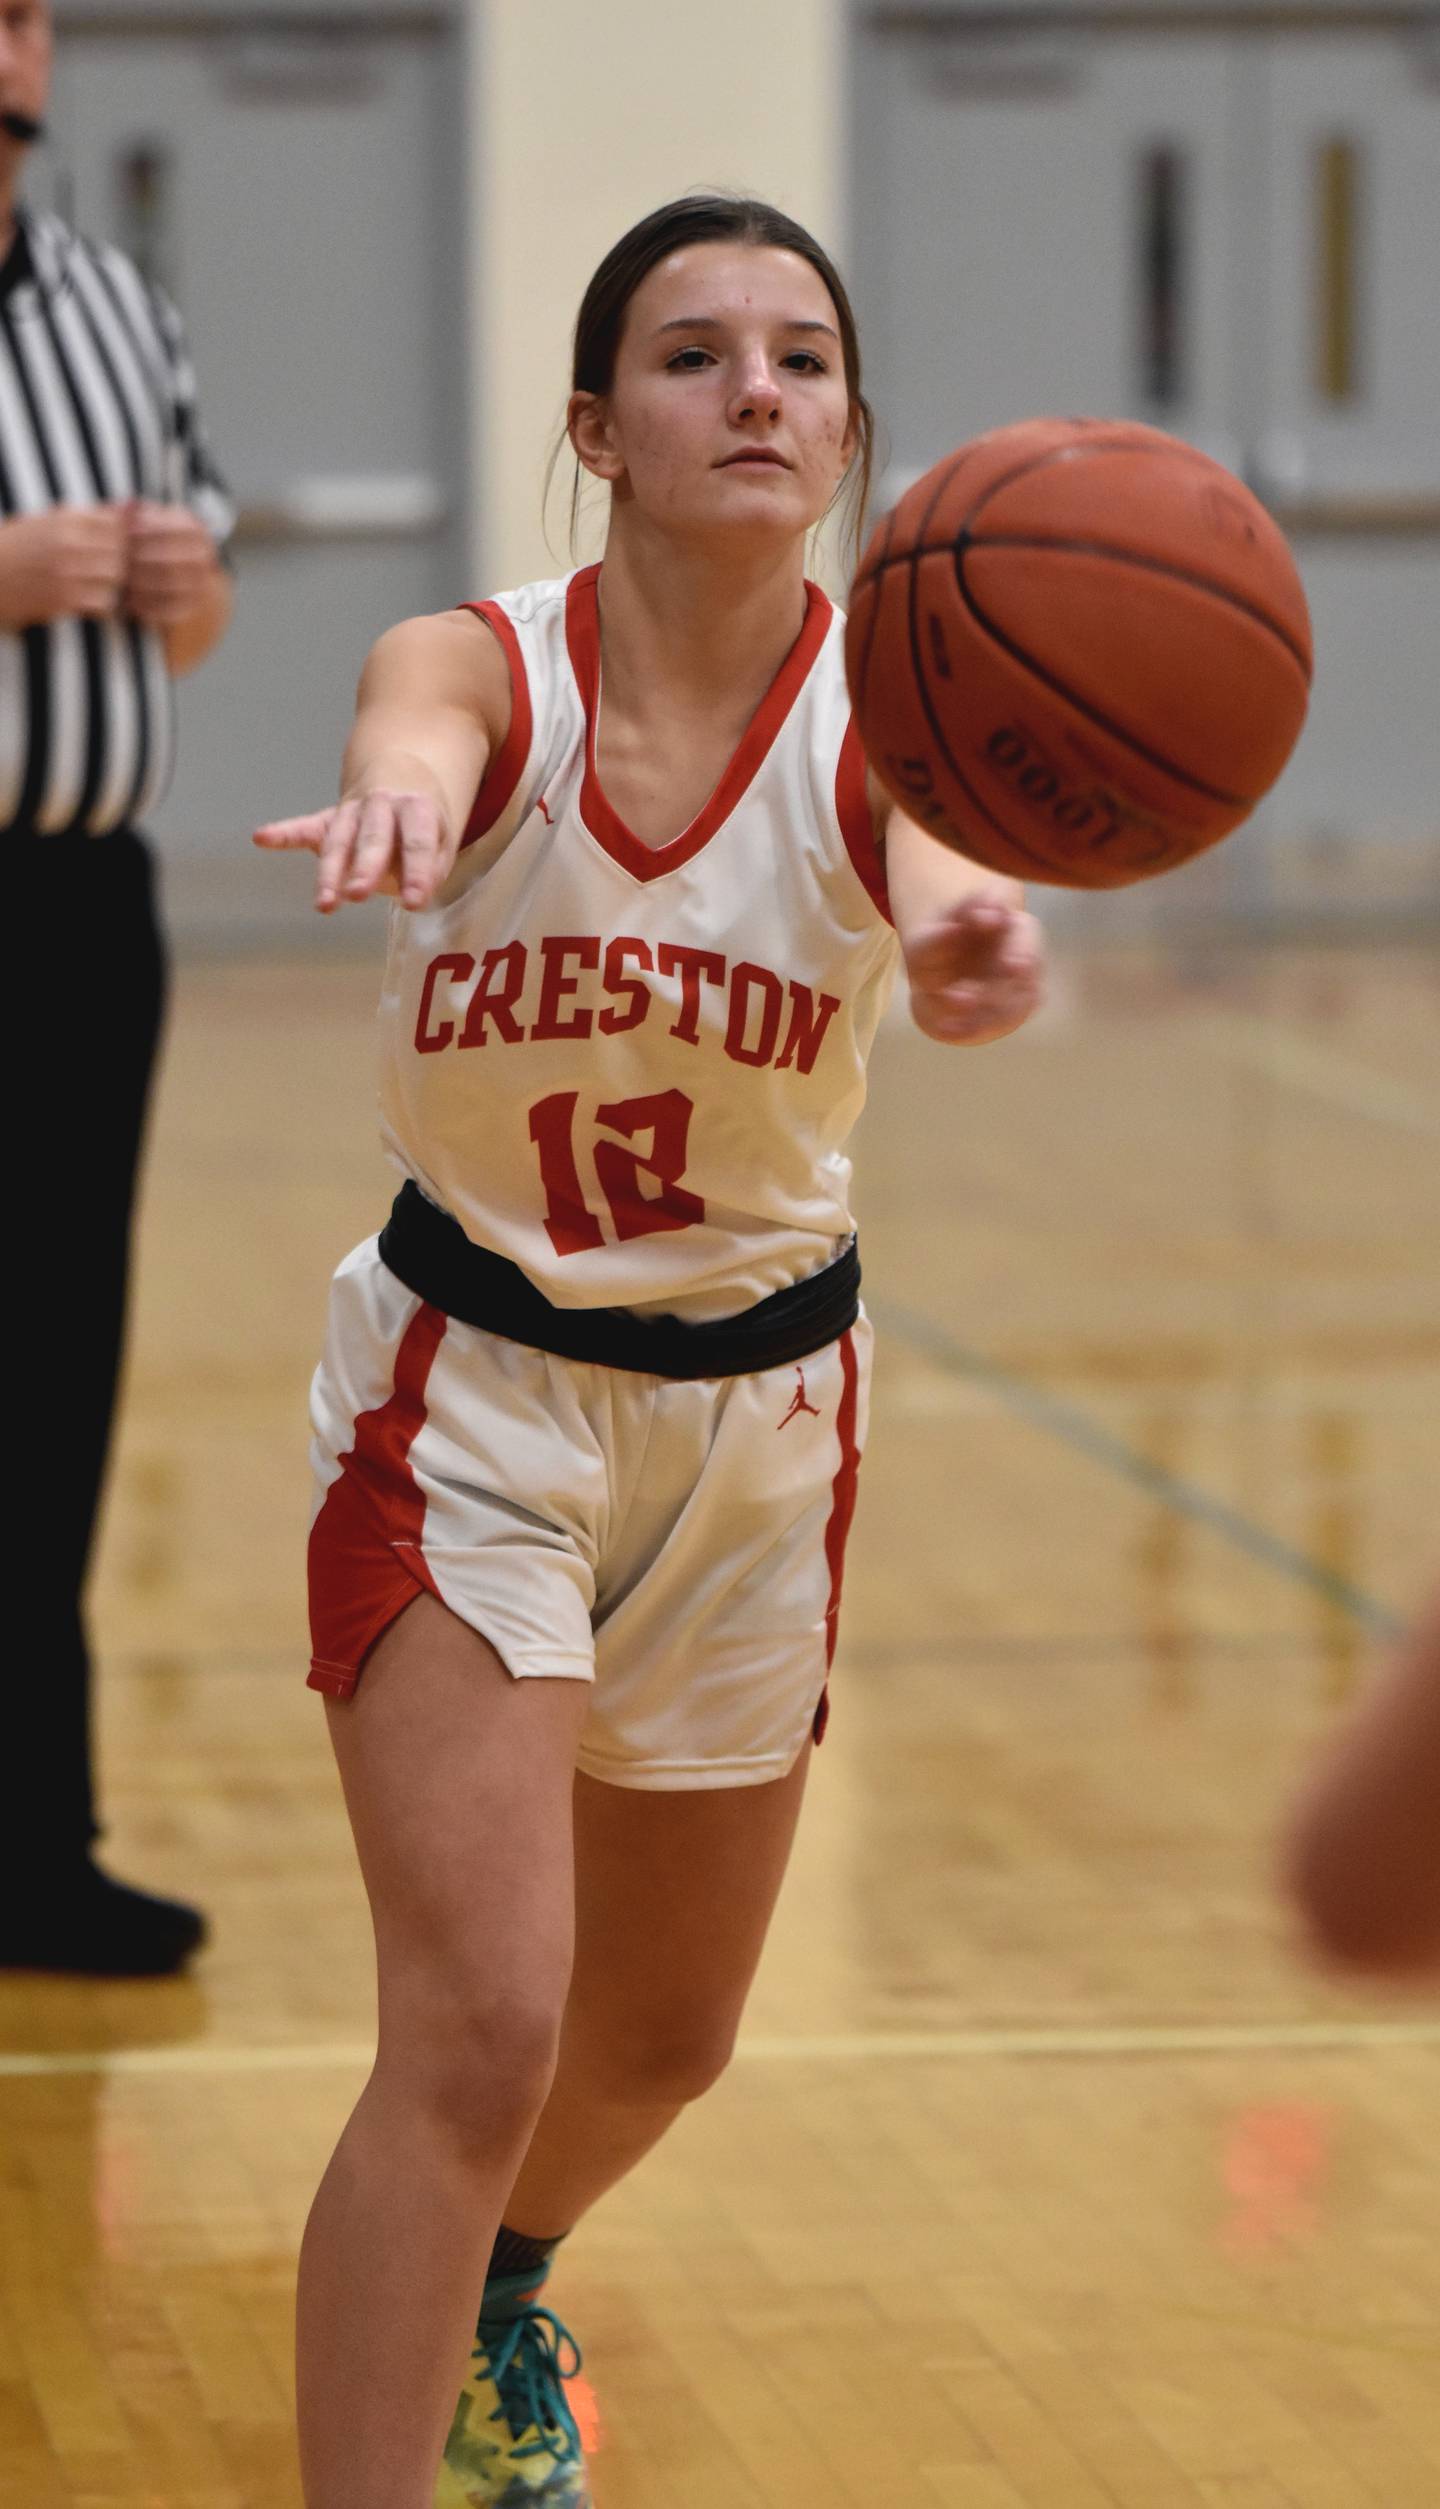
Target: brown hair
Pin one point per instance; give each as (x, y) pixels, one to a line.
(708, 218)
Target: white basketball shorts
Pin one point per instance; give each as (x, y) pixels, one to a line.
(680, 1545)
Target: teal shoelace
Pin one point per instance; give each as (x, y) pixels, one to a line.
(530, 2356)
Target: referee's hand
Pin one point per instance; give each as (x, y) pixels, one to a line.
(397, 844)
(66, 563)
(169, 563)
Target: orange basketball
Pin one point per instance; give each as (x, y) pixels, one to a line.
(1079, 651)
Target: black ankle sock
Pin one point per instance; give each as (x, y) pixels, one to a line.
(513, 2253)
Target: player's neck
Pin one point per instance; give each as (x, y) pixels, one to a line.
(693, 623)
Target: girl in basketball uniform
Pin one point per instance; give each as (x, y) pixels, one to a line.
(589, 1417)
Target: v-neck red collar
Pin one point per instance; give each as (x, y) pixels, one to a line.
(647, 862)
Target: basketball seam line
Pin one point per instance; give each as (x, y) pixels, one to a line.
(1157, 566)
(922, 690)
(966, 539)
(1041, 862)
(868, 569)
(1072, 449)
(1092, 714)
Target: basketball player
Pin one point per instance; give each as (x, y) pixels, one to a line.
(591, 1408)
(1365, 1847)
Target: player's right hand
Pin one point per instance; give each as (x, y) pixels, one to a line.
(398, 844)
(66, 563)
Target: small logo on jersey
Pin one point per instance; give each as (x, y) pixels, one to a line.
(798, 1402)
(544, 813)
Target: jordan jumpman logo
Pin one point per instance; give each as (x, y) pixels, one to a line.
(798, 1402)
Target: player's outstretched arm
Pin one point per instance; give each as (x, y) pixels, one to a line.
(1363, 1853)
(432, 709)
(975, 958)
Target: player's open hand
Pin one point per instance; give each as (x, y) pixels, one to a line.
(396, 844)
(976, 972)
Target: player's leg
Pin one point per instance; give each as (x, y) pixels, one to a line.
(674, 1896)
(458, 1781)
(718, 1593)
(680, 1860)
(675, 1893)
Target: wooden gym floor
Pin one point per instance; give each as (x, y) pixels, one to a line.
(1048, 2177)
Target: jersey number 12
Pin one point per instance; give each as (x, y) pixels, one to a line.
(570, 1224)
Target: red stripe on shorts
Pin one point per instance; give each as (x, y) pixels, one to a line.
(365, 1559)
(842, 1505)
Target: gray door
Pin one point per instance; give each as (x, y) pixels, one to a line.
(296, 193)
(1013, 190)
(1234, 235)
(1352, 277)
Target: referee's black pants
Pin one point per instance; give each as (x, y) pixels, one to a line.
(89, 969)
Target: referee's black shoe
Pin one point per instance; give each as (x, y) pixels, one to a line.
(81, 1921)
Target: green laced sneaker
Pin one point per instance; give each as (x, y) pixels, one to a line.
(514, 2442)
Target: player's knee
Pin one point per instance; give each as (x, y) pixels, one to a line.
(478, 2056)
(670, 2061)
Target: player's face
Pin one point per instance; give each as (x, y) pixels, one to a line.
(729, 412)
(26, 52)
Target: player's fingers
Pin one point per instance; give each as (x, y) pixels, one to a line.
(1021, 949)
(984, 914)
(333, 868)
(422, 844)
(304, 834)
(950, 1017)
(973, 930)
(953, 949)
(374, 846)
(957, 1005)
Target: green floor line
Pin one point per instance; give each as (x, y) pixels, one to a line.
(1075, 1428)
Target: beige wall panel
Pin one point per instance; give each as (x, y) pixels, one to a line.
(583, 119)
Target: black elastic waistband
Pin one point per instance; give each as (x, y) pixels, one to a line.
(432, 1255)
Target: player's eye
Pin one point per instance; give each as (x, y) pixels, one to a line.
(688, 361)
(804, 360)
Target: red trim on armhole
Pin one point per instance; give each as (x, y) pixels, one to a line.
(852, 807)
(504, 771)
(365, 1559)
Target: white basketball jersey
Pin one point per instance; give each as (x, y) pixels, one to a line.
(633, 1069)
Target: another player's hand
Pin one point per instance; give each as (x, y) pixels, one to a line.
(395, 843)
(65, 563)
(976, 972)
(169, 563)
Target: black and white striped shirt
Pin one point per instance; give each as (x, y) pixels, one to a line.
(97, 404)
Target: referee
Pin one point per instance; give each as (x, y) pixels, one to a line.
(111, 518)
